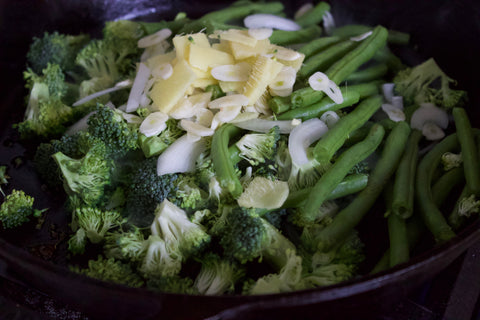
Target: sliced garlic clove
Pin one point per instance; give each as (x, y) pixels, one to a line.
(330, 118)
(196, 128)
(154, 38)
(394, 113)
(232, 72)
(153, 124)
(234, 100)
(318, 81)
(260, 33)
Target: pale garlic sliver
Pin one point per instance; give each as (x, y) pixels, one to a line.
(155, 38)
(234, 100)
(260, 33)
(183, 109)
(232, 72)
(204, 117)
(196, 128)
(153, 124)
(226, 114)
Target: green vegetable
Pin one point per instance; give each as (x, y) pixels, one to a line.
(317, 45)
(313, 16)
(17, 208)
(374, 72)
(283, 38)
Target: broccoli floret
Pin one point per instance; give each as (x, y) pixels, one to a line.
(77, 242)
(110, 270)
(96, 222)
(155, 145)
(3, 178)
(109, 126)
(188, 195)
(17, 208)
(173, 225)
(217, 276)
(171, 284)
(55, 48)
(46, 115)
(246, 236)
(146, 191)
(88, 176)
(259, 147)
(468, 205)
(428, 83)
(124, 245)
(160, 258)
(289, 278)
(451, 160)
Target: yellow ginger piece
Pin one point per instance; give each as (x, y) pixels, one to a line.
(241, 51)
(182, 43)
(237, 36)
(204, 58)
(166, 93)
(287, 57)
(264, 71)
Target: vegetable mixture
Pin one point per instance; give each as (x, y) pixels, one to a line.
(204, 156)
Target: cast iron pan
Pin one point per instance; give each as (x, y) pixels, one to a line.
(448, 31)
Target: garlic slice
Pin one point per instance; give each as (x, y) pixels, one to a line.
(153, 124)
(237, 100)
(232, 72)
(154, 38)
(164, 71)
(196, 128)
(320, 82)
(260, 33)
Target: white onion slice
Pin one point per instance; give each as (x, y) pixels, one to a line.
(164, 71)
(320, 82)
(430, 119)
(330, 118)
(153, 124)
(229, 101)
(328, 23)
(302, 137)
(394, 113)
(432, 132)
(196, 128)
(263, 125)
(260, 33)
(303, 9)
(180, 156)
(154, 38)
(387, 89)
(138, 87)
(362, 36)
(119, 86)
(397, 102)
(285, 79)
(264, 20)
(226, 114)
(203, 117)
(232, 72)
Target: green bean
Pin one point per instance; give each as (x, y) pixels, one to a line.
(444, 185)
(404, 184)
(208, 25)
(348, 218)
(431, 215)
(374, 72)
(358, 56)
(174, 25)
(326, 104)
(337, 172)
(397, 231)
(469, 150)
(279, 104)
(393, 62)
(317, 45)
(283, 38)
(351, 184)
(313, 16)
(336, 136)
(322, 60)
(366, 89)
(455, 220)
(222, 164)
(352, 30)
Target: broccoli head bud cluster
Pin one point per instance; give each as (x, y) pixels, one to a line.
(16, 209)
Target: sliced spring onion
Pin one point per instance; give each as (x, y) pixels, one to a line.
(153, 124)
(119, 86)
(397, 102)
(180, 156)
(320, 82)
(226, 114)
(330, 118)
(263, 125)
(283, 83)
(232, 72)
(143, 73)
(154, 38)
(260, 33)
(264, 20)
(302, 137)
(394, 113)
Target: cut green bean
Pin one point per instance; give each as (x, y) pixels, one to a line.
(374, 72)
(349, 217)
(279, 104)
(432, 216)
(315, 110)
(352, 30)
(338, 134)
(404, 184)
(336, 173)
(365, 90)
(397, 231)
(469, 150)
(313, 16)
(224, 168)
(444, 185)
(385, 55)
(351, 184)
(317, 45)
(283, 38)
(324, 59)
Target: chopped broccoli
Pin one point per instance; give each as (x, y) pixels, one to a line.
(171, 284)
(155, 145)
(111, 270)
(46, 114)
(124, 245)
(55, 48)
(3, 178)
(451, 160)
(77, 242)
(217, 276)
(468, 205)
(109, 126)
(173, 225)
(259, 147)
(96, 222)
(160, 258)
(17, 208)
(146, 191)
(188, 195)
(86, 177)
(427, 83)
(246, 236)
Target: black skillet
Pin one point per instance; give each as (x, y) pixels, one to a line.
(446, 30)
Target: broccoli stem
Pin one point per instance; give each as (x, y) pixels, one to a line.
(283, 38)
(350, 216)
(317, 45)
(222, 163)
(404, 184)
(337, 172)
(470, 154)
(336, 136)
(431, 215)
